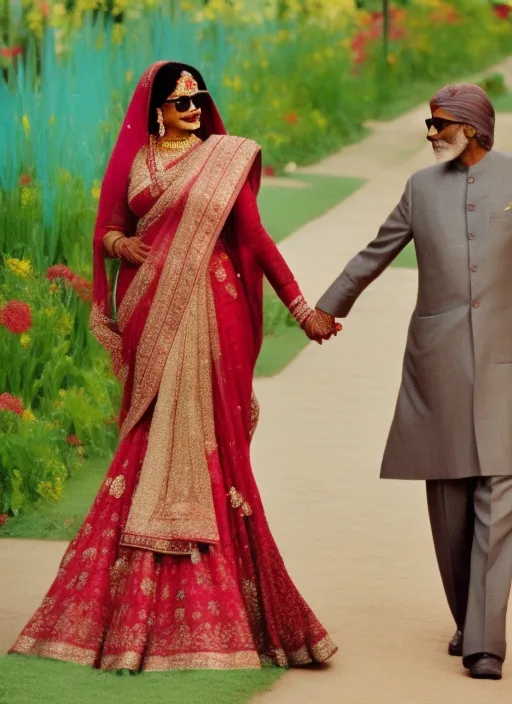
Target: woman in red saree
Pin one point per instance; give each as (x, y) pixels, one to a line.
(175, 566)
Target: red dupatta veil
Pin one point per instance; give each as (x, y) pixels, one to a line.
(167, 316)
(114, 214)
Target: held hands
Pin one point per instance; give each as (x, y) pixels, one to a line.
(320, 326)
(131, 249)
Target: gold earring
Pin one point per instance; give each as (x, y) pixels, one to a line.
(470, 132)
(160, 120)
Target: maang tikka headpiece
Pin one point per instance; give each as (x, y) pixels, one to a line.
(186, 86)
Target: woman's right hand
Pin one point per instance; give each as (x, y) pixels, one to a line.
(132, 249)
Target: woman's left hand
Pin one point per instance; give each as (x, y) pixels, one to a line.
(321, 326)
(132, 249)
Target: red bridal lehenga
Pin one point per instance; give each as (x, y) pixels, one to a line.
(175, 566)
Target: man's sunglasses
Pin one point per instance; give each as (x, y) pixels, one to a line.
(439, 123)
(184, 104)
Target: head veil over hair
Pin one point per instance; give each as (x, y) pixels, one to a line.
(114, 212)
(470, 104)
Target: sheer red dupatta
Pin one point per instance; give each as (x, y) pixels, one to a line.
(114, 213)
(167, 316)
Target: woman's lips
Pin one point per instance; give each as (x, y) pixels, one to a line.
(192, 118)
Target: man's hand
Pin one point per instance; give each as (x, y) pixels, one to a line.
(132, 249)
(321, 326)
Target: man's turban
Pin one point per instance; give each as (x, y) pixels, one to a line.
(470, 104)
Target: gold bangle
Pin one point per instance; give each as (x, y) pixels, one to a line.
(109, 241)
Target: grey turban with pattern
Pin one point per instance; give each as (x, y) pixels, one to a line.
(470, 104)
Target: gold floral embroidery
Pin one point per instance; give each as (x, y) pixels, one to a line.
(238, 501)
(68, 557)
(255, 414)
(87, 529)
(221, 274)
(147, 586)
(180, 595)
(179, 614)
(213, 608)
(118, 486)
(82, 580)
(166, 592)
(89, 554)
(231, 289)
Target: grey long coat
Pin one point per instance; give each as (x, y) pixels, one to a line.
(453, 417)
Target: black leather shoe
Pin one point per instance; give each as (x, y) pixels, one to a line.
(486, 667)
(455, 645)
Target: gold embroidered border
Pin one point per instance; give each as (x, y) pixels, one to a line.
(320, 652)
(54, 649)
(168, 547)
(176, 179)
(131, 660)
(242, 660)
(207, 209)
(101, 327)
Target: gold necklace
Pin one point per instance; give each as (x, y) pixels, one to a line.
(178, 145)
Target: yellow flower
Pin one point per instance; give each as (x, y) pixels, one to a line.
(80, 451)
(25, 341)
(26, 124)
(96, 189)
(49, 312)
(51, 491)
(319, 119)
(64, 176)
(28, 416)
(117, 34)
(391, 59)
(54, 288)
(21, 267)
(59, 9)
(62, 393)
(28, 196)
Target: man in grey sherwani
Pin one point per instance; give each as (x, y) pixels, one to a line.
(453, 420)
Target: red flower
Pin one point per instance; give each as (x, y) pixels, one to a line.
(502, 11)
(3, 519)
(269, 171)
(5, 52)
(74, 441)
(24, 180)
(16, 50)
(291, 118)
(45, 9)
(59, 271)
(16, 316)
(82, 287)
(8, 402)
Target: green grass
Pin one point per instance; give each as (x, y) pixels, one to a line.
(26, 680)
(407, 258)
(284, 210)
(503, 103)
(59, 521)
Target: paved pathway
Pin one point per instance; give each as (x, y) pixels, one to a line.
(358, 548)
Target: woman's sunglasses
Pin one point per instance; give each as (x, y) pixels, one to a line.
(185, 103)
(439, 123)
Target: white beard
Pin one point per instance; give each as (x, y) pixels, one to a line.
(449, 151)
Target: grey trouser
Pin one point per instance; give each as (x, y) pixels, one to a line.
(471, 522)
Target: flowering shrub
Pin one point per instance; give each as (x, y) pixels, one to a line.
(57, 397)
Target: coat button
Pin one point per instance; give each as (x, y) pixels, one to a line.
(471, 236)
(476, 304)
(471, 206)
(474, 268)
(471, 179)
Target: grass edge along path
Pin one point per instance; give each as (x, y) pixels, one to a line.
(284, 210)
(25, 680)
